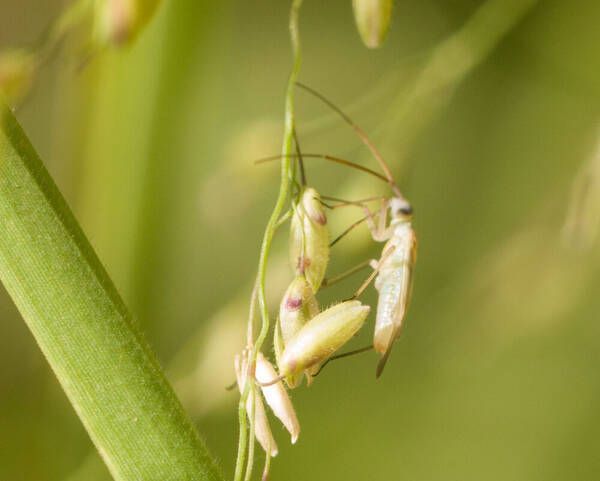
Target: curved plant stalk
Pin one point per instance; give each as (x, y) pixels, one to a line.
(83, 328)
(288, 138)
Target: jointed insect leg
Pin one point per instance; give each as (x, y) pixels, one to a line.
(343, 275)
(380, 232)
(376, 269)
(347, 231)
(340, 356)
(368, 217)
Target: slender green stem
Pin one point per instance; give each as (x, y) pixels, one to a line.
(267, 462)
(86, 333)
(282, 220)
(243, 440)
(288, 137)
(252, 417)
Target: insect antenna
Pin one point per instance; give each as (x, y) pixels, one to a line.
(344, 202)
(329, 158)
(300, 160)
(361, 134)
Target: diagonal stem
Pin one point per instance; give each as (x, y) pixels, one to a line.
(82, 326)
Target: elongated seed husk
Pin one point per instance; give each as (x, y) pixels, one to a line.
(277, 397)
(297, 307)
(262, 430)
(277, 343)
(278, 347)
(322, 336)
(309, 239)
(372, 20)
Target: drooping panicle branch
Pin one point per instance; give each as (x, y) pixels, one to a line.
(288, 138)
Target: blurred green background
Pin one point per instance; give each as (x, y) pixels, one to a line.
(489, 114)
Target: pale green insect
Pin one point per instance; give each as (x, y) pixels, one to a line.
(395, 274)
(395, 267)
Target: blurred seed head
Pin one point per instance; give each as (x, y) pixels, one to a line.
(580, 230)
(17, 68)
(372, 20)
(529, 284)
(233, 182)
(203, 366)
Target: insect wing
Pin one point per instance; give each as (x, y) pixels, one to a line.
(395, 287)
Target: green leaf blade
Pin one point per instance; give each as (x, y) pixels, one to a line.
(84, 329)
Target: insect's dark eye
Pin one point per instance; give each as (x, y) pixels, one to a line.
(406, 210)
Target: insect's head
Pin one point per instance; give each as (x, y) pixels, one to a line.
(400, 209)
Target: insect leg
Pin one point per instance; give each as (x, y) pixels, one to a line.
(379, 232)
(343, 275)
(347, 231)
(300, 160)
(345, 354)
(376, 232)
(364, 285)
